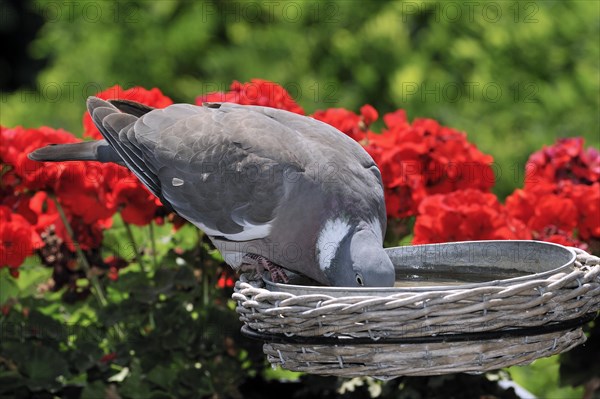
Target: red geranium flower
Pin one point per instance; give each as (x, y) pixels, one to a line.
(465, 215)
(18, 142)
(18, 238)
(368, 114)
(108, 357)
(425, 158)
(551, 212)
(135, 203)
(560, 237)
(353, 125)
(153, 97)
(19, 203)
(78, 186)
(256, 92)
(587, 202)
(225, 280)
(81, 189)
(565, 160)
(87, 234)
(114, 264)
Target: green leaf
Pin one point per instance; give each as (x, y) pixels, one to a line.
(196, 382)
(280, 374)
(134, 385)
(163, 280)
(95, 389)
(542, 379)
(162, 376)
(31, 275)
(8, 287)
(42, 367)
(46, 327)
(184, 277)
(186, 238)
(85, 356)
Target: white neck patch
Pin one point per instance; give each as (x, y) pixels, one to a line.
(376, 228)
(329, 240)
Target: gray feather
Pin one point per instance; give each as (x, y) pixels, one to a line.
(86, 151)
(111, 122)
(131, 107)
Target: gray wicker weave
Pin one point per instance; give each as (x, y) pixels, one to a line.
(393, 360)
(424, 329)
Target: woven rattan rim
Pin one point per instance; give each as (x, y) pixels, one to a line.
(566, 295)
(567, 325)
(393, 360)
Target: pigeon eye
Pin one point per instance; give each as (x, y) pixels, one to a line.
(359, 280)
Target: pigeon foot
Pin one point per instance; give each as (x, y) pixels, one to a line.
(277, 272)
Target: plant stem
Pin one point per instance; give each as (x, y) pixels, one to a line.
(97, 288)
(203, 268)
(84, 263)
(205, 296)
(136, 251)
(153, 245)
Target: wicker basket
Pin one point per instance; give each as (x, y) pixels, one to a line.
(534, 298)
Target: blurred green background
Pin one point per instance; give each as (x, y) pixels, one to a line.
(513, 75)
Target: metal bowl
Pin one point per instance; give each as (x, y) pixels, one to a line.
(451, 266)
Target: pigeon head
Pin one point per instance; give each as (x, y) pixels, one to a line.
(359, 260)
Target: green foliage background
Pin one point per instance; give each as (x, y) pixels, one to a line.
(514, 75)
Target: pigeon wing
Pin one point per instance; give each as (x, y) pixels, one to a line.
(225, 169)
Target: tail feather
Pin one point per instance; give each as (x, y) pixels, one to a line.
(86, 151)
(115, 126)
(131, 107)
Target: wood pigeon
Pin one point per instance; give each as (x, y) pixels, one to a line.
(270, 188)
